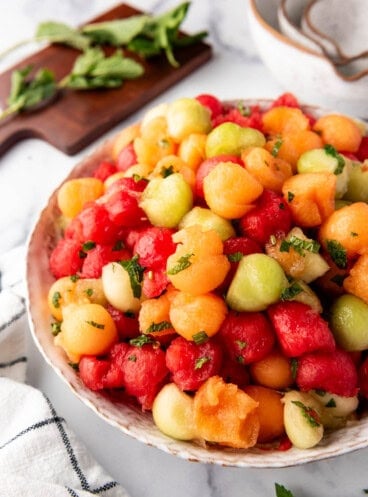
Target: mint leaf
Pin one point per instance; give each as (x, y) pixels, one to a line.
(162, 325)
(161, 33)
(26, 92)
(330, 150)
(337, 253)
(117, 32)
(182, 263)
(57, 32)
(281, 491)
(309, 413)
(93, 69)
(135, 272)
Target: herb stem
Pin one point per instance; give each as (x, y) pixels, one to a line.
(15, 46)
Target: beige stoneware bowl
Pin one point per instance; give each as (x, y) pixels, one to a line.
(311, 75)
(125, 416)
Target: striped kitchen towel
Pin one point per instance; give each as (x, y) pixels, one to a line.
(39, 455)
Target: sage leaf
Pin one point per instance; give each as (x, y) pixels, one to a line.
(57, 32)
(118, 32)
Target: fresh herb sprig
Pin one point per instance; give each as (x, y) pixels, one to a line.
(91, 70)
(144, 34)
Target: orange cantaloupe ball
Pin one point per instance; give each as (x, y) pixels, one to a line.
(75, 193)
(155, 312)
(271, 172)
(173, 163)
(154, 143)
(283, 120)
(347, 226)
(206, 266)
(311, 197)
(196, 317)
(229, 190)
(357, 281)
(123, 138)
(339, 131)
(273, 371)
(66, 290)
(270, 412)
(192, 150)
(225, 414)
(86, 329)
(291, 146)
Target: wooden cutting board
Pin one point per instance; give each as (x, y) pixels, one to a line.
(78, 118)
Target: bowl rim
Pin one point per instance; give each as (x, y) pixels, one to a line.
(39, 323)
(284, 16)
(344, 58)
(277, 34)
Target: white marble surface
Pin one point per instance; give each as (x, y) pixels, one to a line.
(31, 170)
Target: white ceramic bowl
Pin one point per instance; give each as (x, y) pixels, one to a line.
(289, 14)
(340, 27)
(311, 76)
(125, 416)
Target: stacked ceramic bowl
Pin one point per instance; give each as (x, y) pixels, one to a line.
(317, 49)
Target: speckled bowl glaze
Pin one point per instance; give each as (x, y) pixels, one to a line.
(312, 76)
(126, 416)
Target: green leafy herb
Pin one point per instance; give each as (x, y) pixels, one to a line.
(244, 110)
(56, 296)
(299, 245)
(118, 32)
(281, 491)
(200, 337)
(309, 413)
(162, 325)
(330, 150)
(291, 291)
(88, 246)
(337, 253)
(331, 403)
(28, 93)
(320, 392)
(132, 358)
(119, 245)
(93, 69)
(99, 326)
(89, 292)
(235, 257)
(201, 361)
(55, 328)
(143, 340)
(294, 368)
(167, 171)
(290, 196)
(276, 148)
(161, 33)
(57, 32)
(135, 272)
(74, 277)
(241, 344)
(182, 263)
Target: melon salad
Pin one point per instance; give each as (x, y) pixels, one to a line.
(214, 270)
